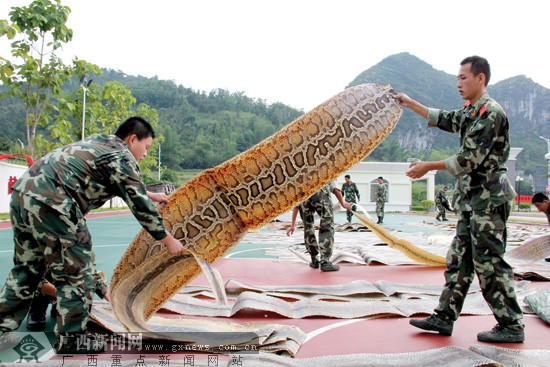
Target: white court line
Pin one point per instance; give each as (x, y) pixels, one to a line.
(240, 252)
(115, 245)
(324, 329)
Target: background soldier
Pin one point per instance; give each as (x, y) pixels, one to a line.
(540, 201)
(350, 191)
(482, 199)
(321, 204)
(381, 197)
(442, 204)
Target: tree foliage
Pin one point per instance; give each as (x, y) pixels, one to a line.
(36, 74)
(202, 129)
(44, 92)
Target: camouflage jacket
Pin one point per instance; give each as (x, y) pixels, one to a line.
(441, 198)
(479, 167)
(79, 177)
(350, 191)
(323, 195)
(381, 193)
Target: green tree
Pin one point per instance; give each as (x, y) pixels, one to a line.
(389, 150)
(107, 106)
(36, 73)
(170, 176)
(5, 144)
(171, 149)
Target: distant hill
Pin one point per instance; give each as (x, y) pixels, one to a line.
(203, 129)
(526, 103)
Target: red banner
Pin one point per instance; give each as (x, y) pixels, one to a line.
(7, 156)
(524, 198)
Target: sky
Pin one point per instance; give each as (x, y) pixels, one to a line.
(300, 52)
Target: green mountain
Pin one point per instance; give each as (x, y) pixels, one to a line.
(202, 129)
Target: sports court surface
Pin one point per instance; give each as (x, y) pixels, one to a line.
(341, 341)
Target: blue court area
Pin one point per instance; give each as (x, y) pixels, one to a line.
(112, 234)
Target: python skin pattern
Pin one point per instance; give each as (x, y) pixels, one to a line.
(214, 210)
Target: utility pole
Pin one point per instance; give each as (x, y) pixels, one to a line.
(85, 84)
(547, 157)
(159, 161)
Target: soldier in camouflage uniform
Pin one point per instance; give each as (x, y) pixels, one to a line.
(349, 192)
(442, 204)
(381, 197)
(482, 198)
(321, 204)
(47, 210)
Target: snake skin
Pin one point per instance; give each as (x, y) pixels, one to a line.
(213, 211)
(400, 244)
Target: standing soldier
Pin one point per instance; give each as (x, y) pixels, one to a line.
(482, 199)
(442, 203)
(381, 197)
(321, 204)
(349, 191)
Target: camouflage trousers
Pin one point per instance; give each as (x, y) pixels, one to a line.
(478, 248)
(47, 241)
(380, 209)
(349, 213)
(326, 227)
(440, 212)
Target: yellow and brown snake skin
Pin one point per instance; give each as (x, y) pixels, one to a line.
(213, 211)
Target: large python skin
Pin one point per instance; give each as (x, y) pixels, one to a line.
(213, 211)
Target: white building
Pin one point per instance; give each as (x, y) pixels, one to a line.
(365, 175)
(9, 173)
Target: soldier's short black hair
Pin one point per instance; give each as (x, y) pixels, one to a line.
(478, 65)
(539, 197)
(135, 125)
(347, 176)
(380, 178)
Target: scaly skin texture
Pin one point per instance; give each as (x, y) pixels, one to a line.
(213, 211)
(400, 244)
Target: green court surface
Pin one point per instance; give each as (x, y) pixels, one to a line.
(112, 234)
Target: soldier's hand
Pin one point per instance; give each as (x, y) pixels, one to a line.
(173, 245)
(290, 231)
(158, 197)
(404, 100)
(417, 169)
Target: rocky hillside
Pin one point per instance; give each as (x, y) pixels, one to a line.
(526, 102)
